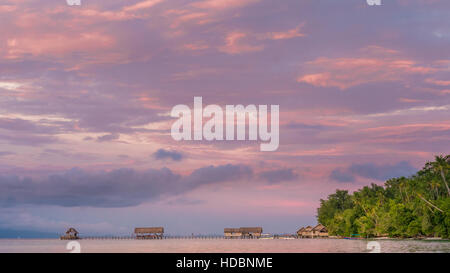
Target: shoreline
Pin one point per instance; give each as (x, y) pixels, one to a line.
(430, 239)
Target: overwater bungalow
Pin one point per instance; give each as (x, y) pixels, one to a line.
(232, 233)
(71, 234)
(149, 233)
(300, 232)
(251, 232)
(243, 232)
(307, 232)
(320, 231)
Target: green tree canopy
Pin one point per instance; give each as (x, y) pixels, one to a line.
(403, 207)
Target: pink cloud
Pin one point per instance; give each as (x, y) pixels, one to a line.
(195, 73)
(178, 18)
(105, 15)
(234, 44)
(347, 72)
(205, 11)
(91, 14)
(56, 44)
(195, 46)
(438, 82)
(142, 5)
(197, 17)
(408, 128)
(57, 32)
(407, 100)
(222, 4)
(7, 8)
(289, 34)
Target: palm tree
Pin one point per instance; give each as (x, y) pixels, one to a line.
(435, 187)
(441, 165)
(429, 203)
(403, 185)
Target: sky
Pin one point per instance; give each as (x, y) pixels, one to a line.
(86, 93)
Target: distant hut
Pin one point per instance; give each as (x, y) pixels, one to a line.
(71, 234)
(307, 232)
(300, 231)
(320, 231)
(243, 232)
(232, 233)
(251, 232)
(149, 233)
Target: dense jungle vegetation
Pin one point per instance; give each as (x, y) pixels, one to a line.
(415, 206)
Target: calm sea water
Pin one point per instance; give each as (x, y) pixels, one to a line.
(221, 245)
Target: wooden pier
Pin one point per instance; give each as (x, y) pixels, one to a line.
(243, 233)
(165, 237)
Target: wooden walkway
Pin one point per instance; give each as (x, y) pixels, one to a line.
(173, 237)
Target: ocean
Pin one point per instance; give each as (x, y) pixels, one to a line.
(223, 245)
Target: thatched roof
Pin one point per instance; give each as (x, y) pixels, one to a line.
(149, 230)
(301, 229)
(308, 228)
(244, 230)
(71, 231)
(231, 230)
(251, 229)
(320, 228)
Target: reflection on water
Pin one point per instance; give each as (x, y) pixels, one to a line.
(223, 245)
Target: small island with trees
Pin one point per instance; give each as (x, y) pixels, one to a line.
(404, 207)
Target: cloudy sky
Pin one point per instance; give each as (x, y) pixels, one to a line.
(86, 92)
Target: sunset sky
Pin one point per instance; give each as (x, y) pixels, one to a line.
(86, 92)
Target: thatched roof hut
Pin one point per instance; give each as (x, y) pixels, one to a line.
(243, 232)
(72, 231)
(145, 230)
(232, 230)
(249, 230)
(305, 231)
(320, 230)
(71, 234)
(299, 232)
(149, 232)
(311, 232)
(308, 229)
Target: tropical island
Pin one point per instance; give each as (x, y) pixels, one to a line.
(404, 207)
